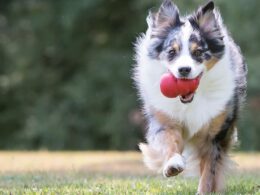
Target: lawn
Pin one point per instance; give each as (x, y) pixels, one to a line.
(107, 173)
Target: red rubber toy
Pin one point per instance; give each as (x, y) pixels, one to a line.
(172, 87)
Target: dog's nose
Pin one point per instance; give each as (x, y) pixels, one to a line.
(184, 71)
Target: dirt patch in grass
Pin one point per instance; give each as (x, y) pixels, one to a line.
(121, 163)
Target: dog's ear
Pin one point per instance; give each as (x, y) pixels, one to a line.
(205, 18)
(151, 19)
(208, 21)
(208, 7)
(168, 15)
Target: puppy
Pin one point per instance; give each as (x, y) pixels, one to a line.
(196, 130)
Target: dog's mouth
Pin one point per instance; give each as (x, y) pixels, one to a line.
(187, 98)
(172, 87)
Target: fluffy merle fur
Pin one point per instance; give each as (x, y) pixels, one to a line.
(213, 42)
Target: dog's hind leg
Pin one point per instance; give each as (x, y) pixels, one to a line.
(164, 148)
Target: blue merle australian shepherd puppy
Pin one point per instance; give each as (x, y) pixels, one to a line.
(191, 133)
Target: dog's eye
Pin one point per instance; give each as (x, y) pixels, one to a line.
(172, 54)
(197, 53)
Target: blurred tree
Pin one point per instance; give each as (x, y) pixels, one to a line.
(66, 65)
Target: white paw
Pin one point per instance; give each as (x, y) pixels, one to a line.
(174, 166)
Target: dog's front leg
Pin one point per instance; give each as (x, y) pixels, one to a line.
(212, 167)
(164, 148)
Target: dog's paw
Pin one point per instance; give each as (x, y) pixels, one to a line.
(174, 166)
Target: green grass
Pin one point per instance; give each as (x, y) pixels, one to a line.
(103, 174)
(79, 183)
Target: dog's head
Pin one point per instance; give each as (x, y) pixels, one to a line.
(187, 46)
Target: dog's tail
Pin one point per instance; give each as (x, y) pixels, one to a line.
(152, 158)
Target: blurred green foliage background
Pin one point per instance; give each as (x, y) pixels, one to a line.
(66, 65)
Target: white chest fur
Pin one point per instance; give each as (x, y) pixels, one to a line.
(215, 90)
